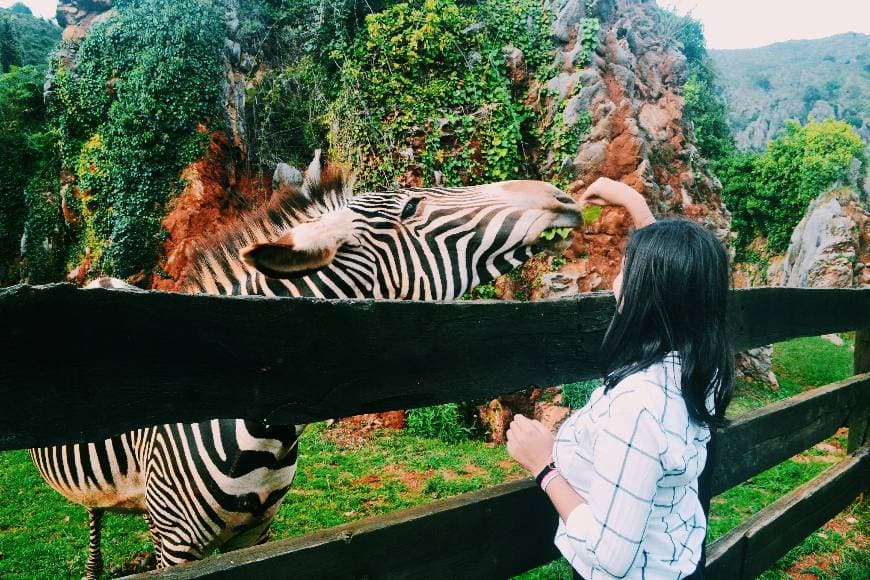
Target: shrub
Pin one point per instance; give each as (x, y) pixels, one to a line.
(703, 106)
(769, 193)
(422, 91)
(128, 118)
(10, 48)
(24, 146)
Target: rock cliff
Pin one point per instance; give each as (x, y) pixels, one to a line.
(615, 67)
(632, 88)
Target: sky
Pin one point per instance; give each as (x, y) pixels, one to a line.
(44, 8)
(727, 23)
(753, 23)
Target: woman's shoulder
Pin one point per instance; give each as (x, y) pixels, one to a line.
(655, 389)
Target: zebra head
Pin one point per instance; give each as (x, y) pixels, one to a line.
(412, 243)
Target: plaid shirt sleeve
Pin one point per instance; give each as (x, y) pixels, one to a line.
(607, 531)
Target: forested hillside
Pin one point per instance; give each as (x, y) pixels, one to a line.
(764, 87)
(31, 37)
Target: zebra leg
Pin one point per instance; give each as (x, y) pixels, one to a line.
(94, 566)
(158, 544)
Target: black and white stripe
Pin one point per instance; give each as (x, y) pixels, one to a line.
(219, 483)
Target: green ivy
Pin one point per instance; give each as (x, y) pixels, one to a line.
(43, 239)
(128, 117)
(425, 88)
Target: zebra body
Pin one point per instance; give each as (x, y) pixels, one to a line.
(219, 483)
(233, 475)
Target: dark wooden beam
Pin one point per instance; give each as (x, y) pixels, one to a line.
(760, 439)
(859, 423)
(756, 544)
(495, 533)
(507, 529)
(79, 365)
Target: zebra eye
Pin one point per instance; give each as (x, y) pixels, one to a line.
(411, 207)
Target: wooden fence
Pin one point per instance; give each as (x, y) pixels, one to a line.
(83, 364)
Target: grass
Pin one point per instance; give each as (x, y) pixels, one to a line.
(341, 479)
(798, 364)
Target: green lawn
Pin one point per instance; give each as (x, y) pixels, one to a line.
(44, 536)
(341, 480)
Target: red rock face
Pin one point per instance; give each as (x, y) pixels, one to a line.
(216, 195)
(77, 16)
(632, 88)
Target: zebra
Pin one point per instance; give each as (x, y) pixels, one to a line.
(218, 484)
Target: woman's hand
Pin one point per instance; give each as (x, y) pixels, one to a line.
(604, 191)
(529, 443)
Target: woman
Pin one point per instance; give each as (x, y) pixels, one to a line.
(623, 471)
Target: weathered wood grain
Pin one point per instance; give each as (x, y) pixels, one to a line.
(495, 533)
(78, 365)
(760, 439)
(507, 529)
(759, 542)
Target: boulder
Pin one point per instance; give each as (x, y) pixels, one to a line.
(829, 243)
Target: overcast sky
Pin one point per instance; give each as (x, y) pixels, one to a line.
(752, 23)
(44, 8)
(727, 23)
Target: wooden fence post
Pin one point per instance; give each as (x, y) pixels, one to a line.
(858, 426)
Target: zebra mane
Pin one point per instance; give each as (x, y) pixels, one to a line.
(323, 190)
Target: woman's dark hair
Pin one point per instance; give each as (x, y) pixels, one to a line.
(673, 298)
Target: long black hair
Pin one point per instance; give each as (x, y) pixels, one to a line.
(673, 298)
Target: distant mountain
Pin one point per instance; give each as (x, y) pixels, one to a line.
(36, 36)
(763, 87)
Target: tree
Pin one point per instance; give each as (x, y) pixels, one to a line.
(19, 8)
(23, 144)
(10, 49)
(769, 193)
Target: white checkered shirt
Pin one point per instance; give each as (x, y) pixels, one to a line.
(635, 457)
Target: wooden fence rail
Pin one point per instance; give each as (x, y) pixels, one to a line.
(78, 365)
(508, 529)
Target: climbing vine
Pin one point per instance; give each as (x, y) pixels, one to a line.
(426, 88)
(128, 116)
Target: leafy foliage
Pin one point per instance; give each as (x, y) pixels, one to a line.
(10, 48)
(128, 116)
(426, 88)
(25, 147)
(768, 193)
(703, 106)
(300, 39)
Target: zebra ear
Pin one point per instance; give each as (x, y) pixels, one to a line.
(285, 259)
